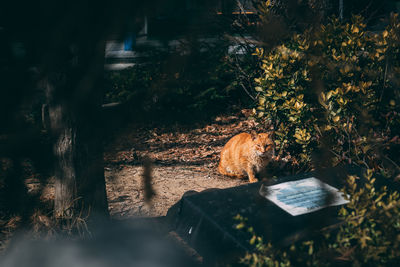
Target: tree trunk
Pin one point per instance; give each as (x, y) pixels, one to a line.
(65, 151)
(73, 103)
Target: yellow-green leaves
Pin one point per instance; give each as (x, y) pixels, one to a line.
(336, 88)
(336, 118)
(302, 136)
(370, 220)
(348, 65)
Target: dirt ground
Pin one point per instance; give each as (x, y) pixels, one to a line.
(182, 159)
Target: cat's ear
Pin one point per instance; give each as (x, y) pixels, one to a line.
(271, 134)
(254, 135)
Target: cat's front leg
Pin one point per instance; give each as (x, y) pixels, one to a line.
(250, 174)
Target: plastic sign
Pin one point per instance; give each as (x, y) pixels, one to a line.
(304, 196)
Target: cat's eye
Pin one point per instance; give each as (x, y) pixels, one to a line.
(269, 147)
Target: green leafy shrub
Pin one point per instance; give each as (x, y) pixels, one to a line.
(371, 230)
(204, 82)
(335, 88)
(122, 86)
(331, 86)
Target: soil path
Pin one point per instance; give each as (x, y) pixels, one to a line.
(183, 159)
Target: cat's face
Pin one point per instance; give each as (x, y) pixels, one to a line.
(264, 145)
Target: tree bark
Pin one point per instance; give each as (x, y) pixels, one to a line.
(65, 171)
(74, 104)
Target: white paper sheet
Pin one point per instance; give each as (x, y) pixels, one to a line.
(304, 196)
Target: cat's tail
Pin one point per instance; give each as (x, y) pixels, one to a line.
(221, 169)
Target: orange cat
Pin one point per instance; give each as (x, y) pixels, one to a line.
(246, 154)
